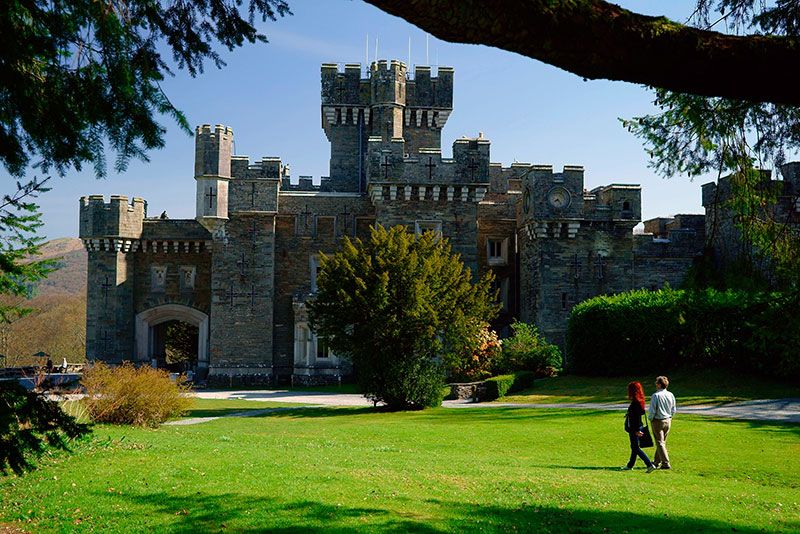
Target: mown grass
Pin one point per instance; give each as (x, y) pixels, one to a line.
(227, 407)
(710, 386)
(442, 470)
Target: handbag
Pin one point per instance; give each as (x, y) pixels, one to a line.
(646, 439)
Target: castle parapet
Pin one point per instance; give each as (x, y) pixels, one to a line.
(114, 219)
(388, 82)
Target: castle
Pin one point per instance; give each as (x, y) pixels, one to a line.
(241, 272)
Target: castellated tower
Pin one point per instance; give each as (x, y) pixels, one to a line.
(387, 104)
(110, 231)
(212, 171)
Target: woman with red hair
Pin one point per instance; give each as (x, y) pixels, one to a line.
(633, 426)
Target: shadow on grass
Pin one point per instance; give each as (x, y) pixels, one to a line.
(247, 513)
(220, 412)
(445, 415)
(778, 427)
(468, 416)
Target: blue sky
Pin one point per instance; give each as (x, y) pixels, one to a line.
(269, 95)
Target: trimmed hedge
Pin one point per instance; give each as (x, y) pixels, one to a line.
(657, 331)
(498, 386)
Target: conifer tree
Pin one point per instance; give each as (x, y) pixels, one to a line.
(392, 304)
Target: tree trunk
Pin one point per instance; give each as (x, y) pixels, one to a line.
(599, 40)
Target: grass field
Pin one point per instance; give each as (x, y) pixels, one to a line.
(689, 387)
(442, 470)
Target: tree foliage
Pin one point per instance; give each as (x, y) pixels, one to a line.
(79, 73)
(80, 76)
(694, 135)
(601, 40)
(19, 245)
(29, 423)
(393, 304)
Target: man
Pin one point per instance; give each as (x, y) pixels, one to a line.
(662, 408)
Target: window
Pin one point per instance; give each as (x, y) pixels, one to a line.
(497, 251)
(428, 226)
(322, 349)
(563, 301)
(313, 262)
(626, 206)
(158, 278)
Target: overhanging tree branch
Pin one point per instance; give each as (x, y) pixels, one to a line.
(599, 40)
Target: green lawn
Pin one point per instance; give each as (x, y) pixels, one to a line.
(442, 470)
(222, 408)
(689, 387)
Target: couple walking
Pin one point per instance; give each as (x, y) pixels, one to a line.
(662, 408)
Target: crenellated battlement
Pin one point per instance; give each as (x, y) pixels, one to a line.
(387, 82)
(117, 218)
(267, 168)
(305, 184)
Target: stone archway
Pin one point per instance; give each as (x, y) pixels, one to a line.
(146, 320)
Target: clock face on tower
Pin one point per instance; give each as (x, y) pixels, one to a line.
(559, 198)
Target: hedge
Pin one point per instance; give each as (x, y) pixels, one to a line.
(657, 331)
(499, 386)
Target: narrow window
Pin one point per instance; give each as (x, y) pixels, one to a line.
(563, 301)
(322, 348)
(313, 262)
(496, 251)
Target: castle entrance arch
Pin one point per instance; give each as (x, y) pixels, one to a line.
(151, 328)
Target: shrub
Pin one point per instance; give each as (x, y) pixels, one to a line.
(657, 331)
(392, 304)
(476, 359)
(141, 396)
(29, 423)
(498, 386)
(527, 350)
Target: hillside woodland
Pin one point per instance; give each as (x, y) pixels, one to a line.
(57, 324)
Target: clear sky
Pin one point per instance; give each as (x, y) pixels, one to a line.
(270, 95)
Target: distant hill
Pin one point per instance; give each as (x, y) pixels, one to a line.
(57, 325)
(70, 278)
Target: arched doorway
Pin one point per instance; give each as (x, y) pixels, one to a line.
(174, 346)
(153, 326)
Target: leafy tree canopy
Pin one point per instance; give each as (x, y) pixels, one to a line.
(394, 303)
(78, 73)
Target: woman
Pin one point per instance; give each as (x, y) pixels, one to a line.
(633, 426)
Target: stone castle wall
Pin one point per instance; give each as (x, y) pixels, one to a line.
(245, 267)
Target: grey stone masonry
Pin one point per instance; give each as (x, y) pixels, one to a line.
(244, 269)
(725, 237)
(386, 104)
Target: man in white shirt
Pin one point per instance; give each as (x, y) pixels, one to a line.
(662, 408)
